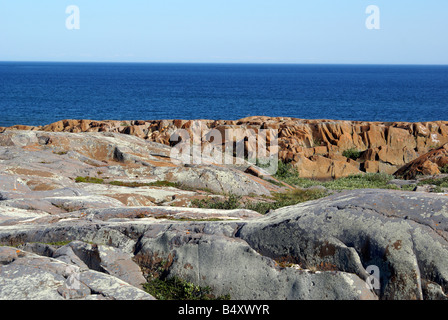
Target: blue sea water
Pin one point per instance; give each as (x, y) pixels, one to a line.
(38, 93)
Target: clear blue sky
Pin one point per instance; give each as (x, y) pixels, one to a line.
(255, 31)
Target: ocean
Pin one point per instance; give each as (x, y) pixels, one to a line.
(39, 93)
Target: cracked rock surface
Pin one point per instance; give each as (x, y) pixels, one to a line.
(60, 239)
(316, 250)
(28, 276)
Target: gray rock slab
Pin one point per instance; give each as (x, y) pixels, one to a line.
(26, 276)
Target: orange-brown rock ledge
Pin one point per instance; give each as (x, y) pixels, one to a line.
(315, 147)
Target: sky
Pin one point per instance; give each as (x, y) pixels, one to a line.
(225, 31)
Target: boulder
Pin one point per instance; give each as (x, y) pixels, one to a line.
(427, 164)
(402, 234)
(230, 266)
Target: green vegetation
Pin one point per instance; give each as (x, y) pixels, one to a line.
(128, 184)
(175, 288)
(139, 184)
(277, 183)
(409, 187)
(278, 200)
(352, 153)
(184, 219)
(296, 196)
(135, 184)
(434, 146)
(303, 191)
(289, 198)
(262, 162)
(437, 189)
(163, 287)
(361, 181)
(57, 243)
(317, 142)
(287, 172)
(444, 169)
(164, 183)
(89, 180)
(61, 153)
(442, 182)
(231, 202)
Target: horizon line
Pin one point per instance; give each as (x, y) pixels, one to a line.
(230, 63)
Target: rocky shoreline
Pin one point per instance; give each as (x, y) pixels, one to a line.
(315, 147)
(93, 209)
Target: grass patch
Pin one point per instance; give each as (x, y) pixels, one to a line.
(261, 206)
(56, 244)
(409, 187)
(274, 182)
(89, 180)
(352, 182)
(361, 181)
(164, 184)
(352, 153)
(437, 189)
(186, 219)
(61, 153)
(129, 184)
(231, 202)
(297, 196)
(288, 173)
(285, 199)
(444, 169)
(139, 184)
(278, 200)
(317, 142)
(175, 288)
(442, 182)
(134, 184)
(262, 162)
(156, 270)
